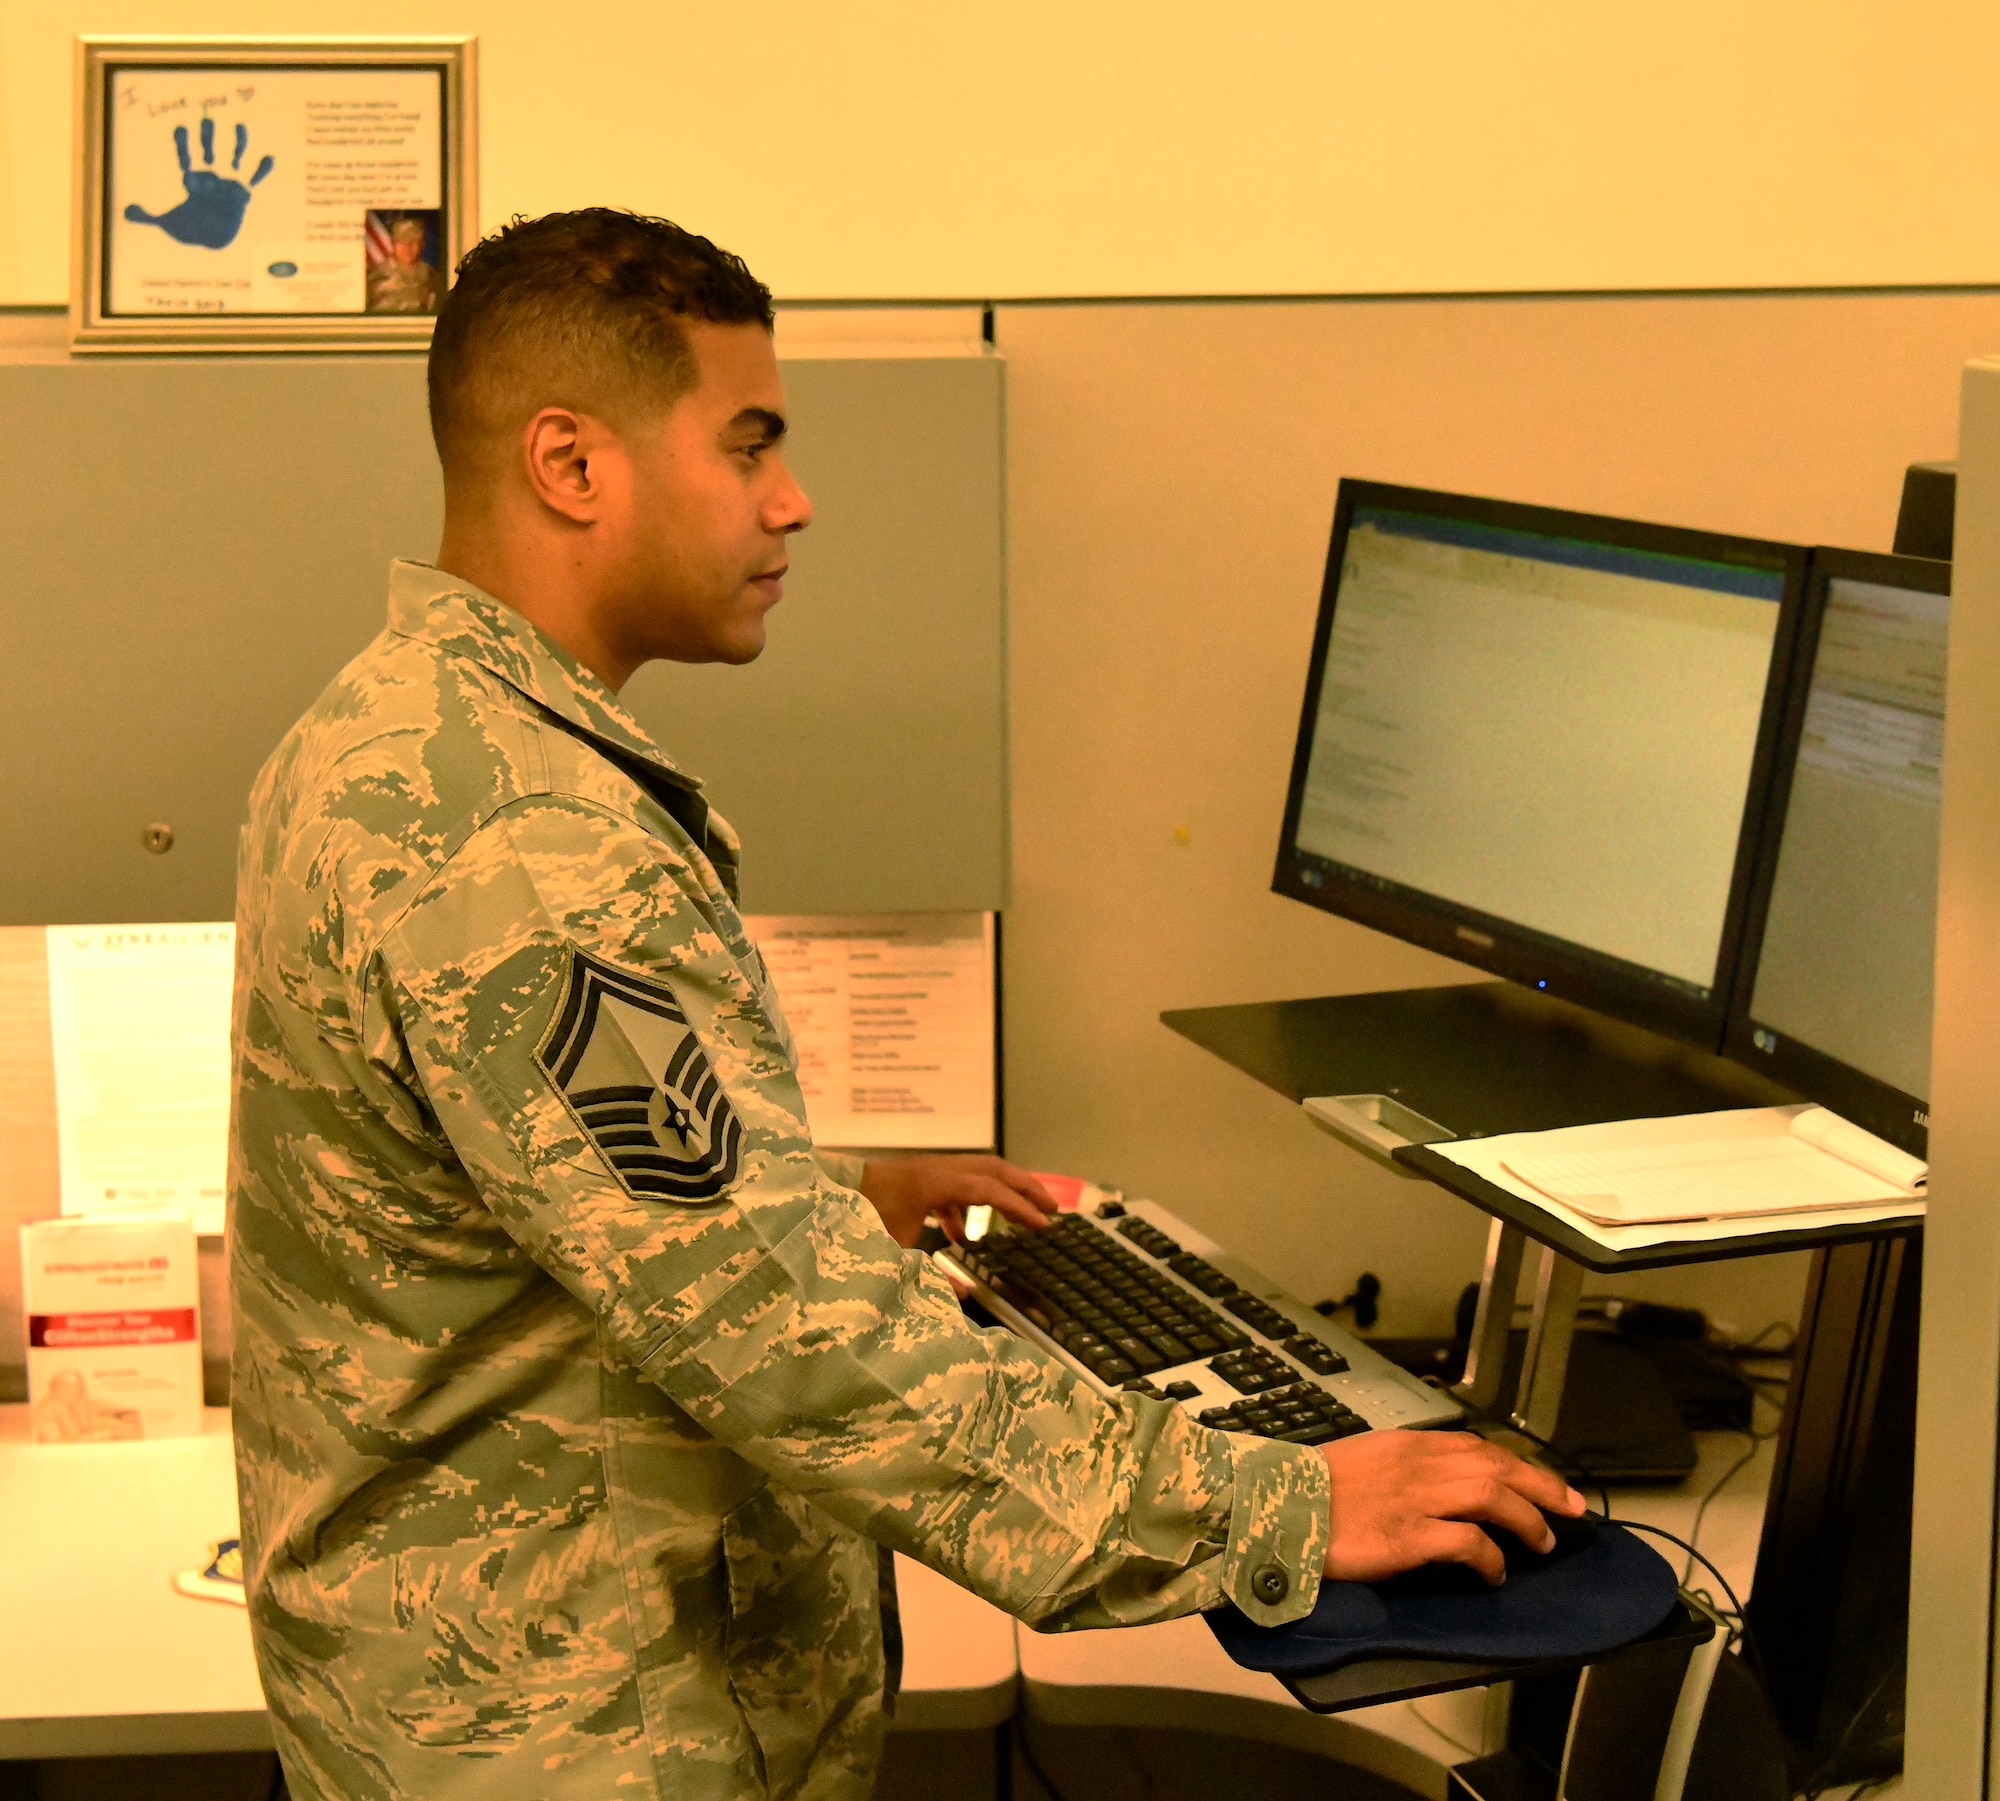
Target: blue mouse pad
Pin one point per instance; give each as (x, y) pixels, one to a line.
(1600, 1587)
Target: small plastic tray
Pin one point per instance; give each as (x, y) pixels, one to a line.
(1378, 1124)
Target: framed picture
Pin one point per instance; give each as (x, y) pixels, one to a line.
(269, 194)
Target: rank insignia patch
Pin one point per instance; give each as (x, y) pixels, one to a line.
(622, 1055)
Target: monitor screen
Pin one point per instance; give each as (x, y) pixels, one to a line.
(1530, 739)
(1837, 996)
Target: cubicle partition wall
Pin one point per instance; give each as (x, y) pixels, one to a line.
(193, 546)
(1954, 1671)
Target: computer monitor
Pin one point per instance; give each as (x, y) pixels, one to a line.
(1834, 1000)
(1538, 741)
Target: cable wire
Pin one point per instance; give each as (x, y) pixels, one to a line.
(1754, 1443)
(1674, 1538)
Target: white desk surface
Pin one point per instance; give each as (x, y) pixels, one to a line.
(103, 1657)
(959, 1668)
(116, 1662)
(113, 1661)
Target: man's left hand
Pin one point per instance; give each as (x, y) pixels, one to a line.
(908, 1190)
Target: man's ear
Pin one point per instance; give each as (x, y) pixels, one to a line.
(565, 454)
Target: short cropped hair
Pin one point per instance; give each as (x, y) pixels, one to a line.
(584, 310)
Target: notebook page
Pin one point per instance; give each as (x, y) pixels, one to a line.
(1487, 1158)
(1843, 1139)
(1705, 1179)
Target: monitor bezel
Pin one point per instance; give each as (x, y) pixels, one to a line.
(1502, 947)
(1879, 1107)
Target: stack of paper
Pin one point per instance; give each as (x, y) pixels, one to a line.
(1820, 1162)
(1702, 1176)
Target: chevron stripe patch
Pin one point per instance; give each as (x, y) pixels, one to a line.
(632, 1072)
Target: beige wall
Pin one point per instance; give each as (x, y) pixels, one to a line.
(1171, 480)
(886, 148)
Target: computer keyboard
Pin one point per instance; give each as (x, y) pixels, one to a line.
(1133, 1298)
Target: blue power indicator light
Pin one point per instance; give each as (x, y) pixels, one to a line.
(1541, 984)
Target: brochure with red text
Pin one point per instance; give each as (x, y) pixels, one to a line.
(114, 1327)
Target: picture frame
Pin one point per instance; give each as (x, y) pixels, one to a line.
(269, 194)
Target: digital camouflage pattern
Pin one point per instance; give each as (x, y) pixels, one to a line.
(558, 1479)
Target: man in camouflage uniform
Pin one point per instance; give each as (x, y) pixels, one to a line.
(572, 1385)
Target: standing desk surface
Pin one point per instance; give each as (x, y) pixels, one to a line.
(1489, 1057)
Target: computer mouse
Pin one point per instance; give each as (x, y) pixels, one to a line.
(1572, 1536)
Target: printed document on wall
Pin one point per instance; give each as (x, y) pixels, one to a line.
(139, 1025)
(893, 1018)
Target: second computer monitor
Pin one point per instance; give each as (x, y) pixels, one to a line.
(1835, 997)
(1532, 739)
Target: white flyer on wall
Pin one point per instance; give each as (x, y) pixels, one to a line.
(139, 1028)
(893, 1018)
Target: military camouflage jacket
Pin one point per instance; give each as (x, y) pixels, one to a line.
(570, 1385)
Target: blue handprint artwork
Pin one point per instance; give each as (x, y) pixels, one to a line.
(212, 213)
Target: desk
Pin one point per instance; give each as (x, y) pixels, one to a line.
(1487, 1058)
(113, 1661)
(959, 1663)
(117, 1663)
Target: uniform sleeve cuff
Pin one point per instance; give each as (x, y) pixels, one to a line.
(1278, 1524)
(840, 1167)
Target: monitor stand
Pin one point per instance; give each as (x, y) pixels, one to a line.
(1467, 1062)
(1479, 1058)
(1830, 1601)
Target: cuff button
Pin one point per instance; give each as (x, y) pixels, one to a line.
(1270, 1585)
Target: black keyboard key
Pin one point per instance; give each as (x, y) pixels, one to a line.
(1123, 1318)
(1254, 1370)
(1201, 1273)
(1183, 1390)
(1137, 1352)
(1316, 1355)
(1149, 1237)
(1260, 1316)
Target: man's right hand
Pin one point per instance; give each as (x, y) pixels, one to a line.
(1401, 1499)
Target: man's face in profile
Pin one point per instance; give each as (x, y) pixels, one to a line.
(711, 504)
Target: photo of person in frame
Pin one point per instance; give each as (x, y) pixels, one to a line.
(403, 250)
